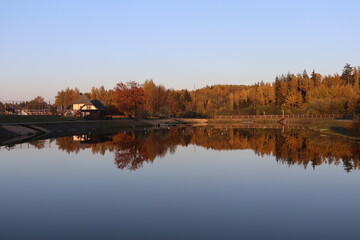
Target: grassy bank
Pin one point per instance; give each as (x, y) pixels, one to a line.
(29, 119)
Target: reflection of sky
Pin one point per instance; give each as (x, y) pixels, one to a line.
(192, 194)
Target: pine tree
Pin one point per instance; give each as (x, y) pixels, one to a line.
(347, 72)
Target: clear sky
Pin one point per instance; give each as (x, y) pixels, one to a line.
(46, 46)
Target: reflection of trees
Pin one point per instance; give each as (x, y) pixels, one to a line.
(130, 152)
(291, 147)
(135, 148)
(67, 144)
(39, 144)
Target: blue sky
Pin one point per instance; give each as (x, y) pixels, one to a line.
(46, 46)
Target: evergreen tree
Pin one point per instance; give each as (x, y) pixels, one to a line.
(347, 72)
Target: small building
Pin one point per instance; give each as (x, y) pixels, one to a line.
(86, 108)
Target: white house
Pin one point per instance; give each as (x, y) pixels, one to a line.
(83, 106)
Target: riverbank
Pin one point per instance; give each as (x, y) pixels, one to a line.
(36, 118)
(320, 126)
(339, 128)
(271, 119)
(17, 132)
(14, 131)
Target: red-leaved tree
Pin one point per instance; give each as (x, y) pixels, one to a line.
(129, 98)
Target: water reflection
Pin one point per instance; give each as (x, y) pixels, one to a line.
(293, 147)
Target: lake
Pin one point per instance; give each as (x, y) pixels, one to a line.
(205, 182)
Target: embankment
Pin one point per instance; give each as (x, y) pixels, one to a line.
(18, 132)
(12, 133)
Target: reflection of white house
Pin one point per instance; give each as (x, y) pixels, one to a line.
(22, 112)
(93, 109)
(80, 138)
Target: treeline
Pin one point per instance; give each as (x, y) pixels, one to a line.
(38, 103)
(294, 93)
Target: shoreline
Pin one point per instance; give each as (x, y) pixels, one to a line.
(12, 133)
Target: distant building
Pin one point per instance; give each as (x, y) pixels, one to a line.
(86, 108)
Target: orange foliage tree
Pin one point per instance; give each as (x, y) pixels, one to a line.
(129, 98)
(65, 97)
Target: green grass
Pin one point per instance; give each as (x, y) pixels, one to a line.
(27, 119)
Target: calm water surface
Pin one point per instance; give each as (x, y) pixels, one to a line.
(182, 183)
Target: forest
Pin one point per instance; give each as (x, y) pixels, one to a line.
(294, 93)
(300, 93)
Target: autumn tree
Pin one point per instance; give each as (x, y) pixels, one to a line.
(65, 97)
(185, 101)
(105, 96)
(156, 98)
(129, 98)
(173, 102)
(161, 97)
(316, 77)
(37, 103)
(149, 88)
(98, 93)
(281, 90)
(356, 77)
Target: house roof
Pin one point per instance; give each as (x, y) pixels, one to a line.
(98, 104)
(82, 99)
